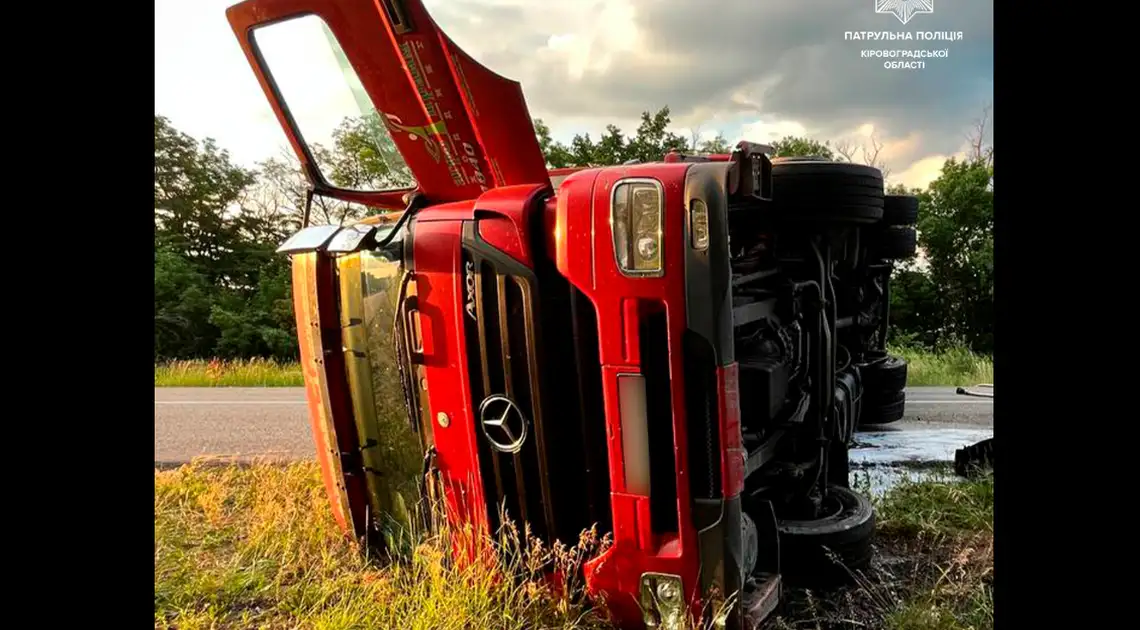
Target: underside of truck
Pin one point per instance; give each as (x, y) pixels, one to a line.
(676, 354)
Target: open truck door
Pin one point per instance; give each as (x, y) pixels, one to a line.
(441, 123)
(433, 124)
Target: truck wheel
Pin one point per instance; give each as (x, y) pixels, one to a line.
(823, 552)
(900, 210)
(883, 376)
(883, 408)
(893, 243)
(799, 158)
(829, 192)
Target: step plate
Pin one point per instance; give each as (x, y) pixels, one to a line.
(761, 597)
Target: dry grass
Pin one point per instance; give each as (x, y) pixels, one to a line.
(236, 373)
(256, 547)
(957, 595)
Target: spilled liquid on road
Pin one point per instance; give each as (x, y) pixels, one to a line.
(881, 458)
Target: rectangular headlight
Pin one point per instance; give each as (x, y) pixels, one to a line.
(636, 216)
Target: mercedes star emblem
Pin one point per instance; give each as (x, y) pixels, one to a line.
(503, 423)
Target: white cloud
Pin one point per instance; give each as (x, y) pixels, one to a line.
(764, 131)
(921, 172)
(595, 44)
(586, 64)
(203, 83)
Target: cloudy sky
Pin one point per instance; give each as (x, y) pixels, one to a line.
(753, 69)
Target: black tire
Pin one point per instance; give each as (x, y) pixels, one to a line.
(883, 408)
(974, 460)
(882, 376)
(823, 553)
(900, 210)
(799, 158)
(893, 243)
(824, 191)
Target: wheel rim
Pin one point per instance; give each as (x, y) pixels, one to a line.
(830, 507)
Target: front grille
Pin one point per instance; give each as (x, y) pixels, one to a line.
(534, 339)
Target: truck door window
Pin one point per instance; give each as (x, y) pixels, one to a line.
(332, 114)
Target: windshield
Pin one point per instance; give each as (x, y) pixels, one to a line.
(332, 113)
(370, 292)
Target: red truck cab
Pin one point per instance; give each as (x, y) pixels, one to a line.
(559, 347)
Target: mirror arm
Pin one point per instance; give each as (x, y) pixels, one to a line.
(308, 207)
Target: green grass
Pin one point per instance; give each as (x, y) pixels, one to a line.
(950, 526)
(219, 373)
(951, 367)
(955, 366)
(922, 509)
(256, 547)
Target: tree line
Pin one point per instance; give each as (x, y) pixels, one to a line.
(221, 291)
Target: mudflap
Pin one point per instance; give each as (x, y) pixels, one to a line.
(749, 600)
(763, 589)
(722, 554)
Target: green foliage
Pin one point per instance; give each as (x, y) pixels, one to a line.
(914, 308)
(557, 155)
(794, 146)
(194, 183)
(258, 323)
(649, 144)
(182, 299)
(364, 157)
(220, 290)
(653, 139)
(955, 225)
(718, 144)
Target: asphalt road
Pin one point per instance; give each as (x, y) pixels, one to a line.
(273, 423)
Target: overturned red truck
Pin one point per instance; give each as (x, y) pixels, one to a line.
(676, 353)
